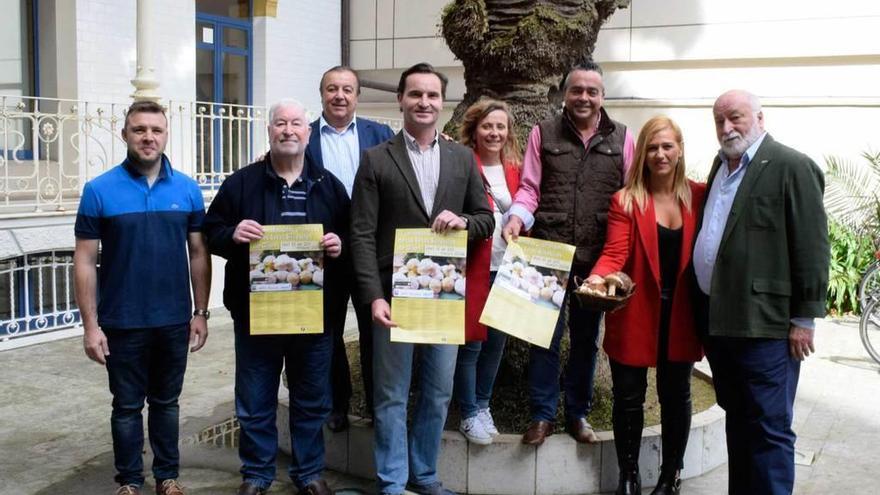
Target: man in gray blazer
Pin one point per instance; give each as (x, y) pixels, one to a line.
(413, 180)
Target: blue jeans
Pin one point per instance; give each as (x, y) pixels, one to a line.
(583, 328)
(402, 456)
(146, 363)
(258, 364)
(755, 382)
(475, 372)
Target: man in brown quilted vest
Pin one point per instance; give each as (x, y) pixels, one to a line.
(573, 164)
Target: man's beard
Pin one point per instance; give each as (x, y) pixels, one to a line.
(736, 148)
(140, 164)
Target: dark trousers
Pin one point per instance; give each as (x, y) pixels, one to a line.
(583, 331)
(146, 363)
(755, 382)
(674, 392)
(341, 371)
(258, 364)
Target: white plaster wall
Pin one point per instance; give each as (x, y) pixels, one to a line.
(174, 24)
(293, 49)
(704, 30)
(792, 125)
(107, 62)
(815, 64)
(388, 34)
(107, 48)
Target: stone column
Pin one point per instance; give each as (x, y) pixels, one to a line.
(145, 82)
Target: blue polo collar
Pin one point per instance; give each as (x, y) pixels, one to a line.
(164, 171)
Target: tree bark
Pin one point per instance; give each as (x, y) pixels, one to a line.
(518, 50)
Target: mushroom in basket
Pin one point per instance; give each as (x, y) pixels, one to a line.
(618, 280)
(608, 293)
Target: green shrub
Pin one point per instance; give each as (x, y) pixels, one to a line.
(851, 254)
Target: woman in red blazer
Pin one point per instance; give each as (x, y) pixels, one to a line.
(651, 229)
(487, 127)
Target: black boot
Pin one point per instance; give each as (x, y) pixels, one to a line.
(675, 418)
(630, 483)
(628, 440)
(668, 484)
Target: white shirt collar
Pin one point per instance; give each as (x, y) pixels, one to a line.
(414, 145)
(322, 123)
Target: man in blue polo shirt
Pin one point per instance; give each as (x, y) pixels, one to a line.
(139, 324)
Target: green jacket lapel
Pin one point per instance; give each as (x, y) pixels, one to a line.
(756, 167)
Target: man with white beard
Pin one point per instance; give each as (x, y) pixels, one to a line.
(761, 263)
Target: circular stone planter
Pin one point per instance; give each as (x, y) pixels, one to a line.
(560, 466)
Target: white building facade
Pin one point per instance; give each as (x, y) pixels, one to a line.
(815, 64)
(66, 68)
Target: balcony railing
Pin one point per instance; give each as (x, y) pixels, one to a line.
(37, 294)
(49, 148)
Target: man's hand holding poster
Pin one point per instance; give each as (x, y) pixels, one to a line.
(529, 290)
(287, 280)
(428, 286)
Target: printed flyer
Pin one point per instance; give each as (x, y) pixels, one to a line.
(529, 290)
(287, 280)
(428, 286)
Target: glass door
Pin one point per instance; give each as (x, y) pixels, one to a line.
(223, 89)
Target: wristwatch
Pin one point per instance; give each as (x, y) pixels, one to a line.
(465, 220)
(202, 312)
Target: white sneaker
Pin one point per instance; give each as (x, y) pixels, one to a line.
(488, 423)
(472, 428)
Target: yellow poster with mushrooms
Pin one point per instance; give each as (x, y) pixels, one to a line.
(428, 286)
(287, 280)
(529, 290)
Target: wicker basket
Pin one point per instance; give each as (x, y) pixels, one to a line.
(600, 303)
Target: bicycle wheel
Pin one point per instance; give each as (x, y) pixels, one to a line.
(869, 286)
(869, 329)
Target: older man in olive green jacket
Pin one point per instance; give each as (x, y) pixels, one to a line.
(761, 262)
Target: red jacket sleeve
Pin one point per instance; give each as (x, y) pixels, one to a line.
(617, 241)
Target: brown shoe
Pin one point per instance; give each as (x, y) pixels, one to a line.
(537, 432)
(169, 487)
(128, 490)
(317, 487)
(249, 489)
(581, 431)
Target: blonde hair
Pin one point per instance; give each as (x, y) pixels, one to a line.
(475, 114)
(638, 177)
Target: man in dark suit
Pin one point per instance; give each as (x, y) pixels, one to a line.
(761, 262)
(414, 180)
(337, 140)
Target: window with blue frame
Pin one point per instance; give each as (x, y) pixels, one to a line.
(223, 87)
